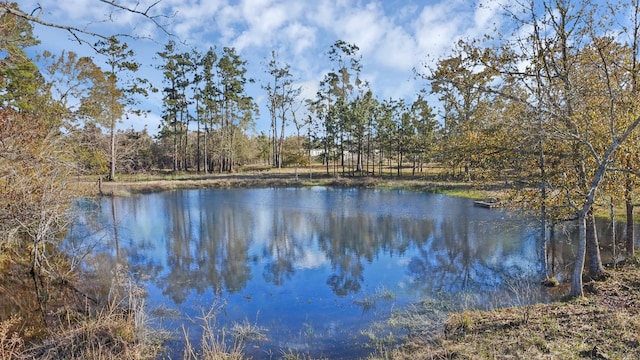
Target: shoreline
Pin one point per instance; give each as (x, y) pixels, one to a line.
(149, 184)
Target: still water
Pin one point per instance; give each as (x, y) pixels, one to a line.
(312, 267)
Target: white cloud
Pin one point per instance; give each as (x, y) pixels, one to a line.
(263, 24)
(398, 50)
(364, 27)
(439, 26)
(323, 14)
(300, 37)
(190, 19)
(485, 14)
(72, 10)
(309, 88)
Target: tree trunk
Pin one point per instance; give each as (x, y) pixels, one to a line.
(543, 232)
(629, 245)
(198, 141)
(112, 155)
(326, 154)
(553, 250)
(578, 266)
(205, 161)
(359, 167)
(186, 143)
(594, 260)
(281, 141)
(274, 134)
(175, 145)
(415, 165)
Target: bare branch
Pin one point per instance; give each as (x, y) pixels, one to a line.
(5, 8)
(624, 171)
(145, 13)
(77, 32)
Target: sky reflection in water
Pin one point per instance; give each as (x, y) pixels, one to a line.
(304, 263)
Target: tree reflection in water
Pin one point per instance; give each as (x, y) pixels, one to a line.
(302, 257)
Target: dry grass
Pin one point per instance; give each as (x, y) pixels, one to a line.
(294, 355)
(118, 329)
(246, 331)
(604, 325)
(110, 335)
(214, 344)
(79, 327)
(11, 344)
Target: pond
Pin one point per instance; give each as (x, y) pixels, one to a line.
(313, 268)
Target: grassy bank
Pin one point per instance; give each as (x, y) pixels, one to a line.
(148, 183)
(604, 325)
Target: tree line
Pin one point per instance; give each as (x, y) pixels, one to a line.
(207, 116)
(547, 105)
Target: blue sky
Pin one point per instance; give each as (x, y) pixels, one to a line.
(394, 36)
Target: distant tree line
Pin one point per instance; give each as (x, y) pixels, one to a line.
(207, 117)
